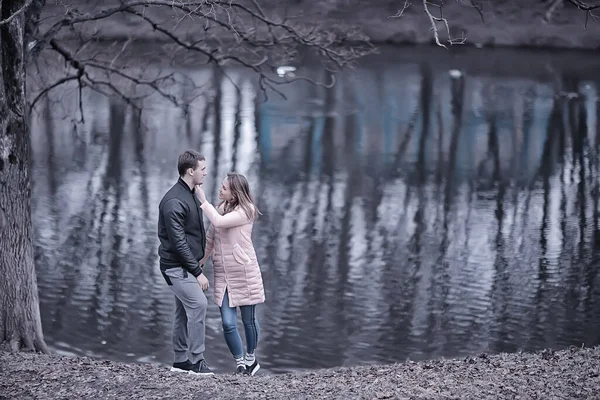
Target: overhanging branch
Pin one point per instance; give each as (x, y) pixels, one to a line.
(588, 8)
(16, 13)
(242, 34)
(478, 6)
(433, 20)
(584, 6)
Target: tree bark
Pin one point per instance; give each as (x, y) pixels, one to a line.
(20, 323)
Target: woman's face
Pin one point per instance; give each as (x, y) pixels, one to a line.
(224, 192)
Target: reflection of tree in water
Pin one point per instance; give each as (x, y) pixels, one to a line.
(100, 257)
(416, 290)
(416, 245)
(52, 164)
(96, 236)
(577, 121)
(400, 277)
(218, 79)
(441, 268)
(446, 328)
(109, 236)
(312, 259)
(592, 301)
(354, 184)
(237, 126)
(554, 135)
(501, 287)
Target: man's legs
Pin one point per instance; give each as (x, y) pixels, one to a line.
(180, 333)
(193, 301)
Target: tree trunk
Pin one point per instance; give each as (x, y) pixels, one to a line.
(20, 323)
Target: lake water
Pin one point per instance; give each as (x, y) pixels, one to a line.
(427, 206)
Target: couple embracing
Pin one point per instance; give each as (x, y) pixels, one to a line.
(185, 247)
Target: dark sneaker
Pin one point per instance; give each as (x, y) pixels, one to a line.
(201, 368)
(252, 369)
(241, 369)
(185, 366)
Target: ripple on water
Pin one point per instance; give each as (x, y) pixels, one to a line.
(380, 241)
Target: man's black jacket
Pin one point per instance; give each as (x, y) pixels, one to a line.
(181, 229)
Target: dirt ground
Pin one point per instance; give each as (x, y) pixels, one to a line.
(570, 374)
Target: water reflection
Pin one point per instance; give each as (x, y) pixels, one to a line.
(408, 213)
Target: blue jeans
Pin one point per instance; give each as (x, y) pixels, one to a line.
(232, 336)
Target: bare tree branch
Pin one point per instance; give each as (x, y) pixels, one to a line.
(587, 8)
(433, 19)
(47, 89)
(234, 33)
(401, 12)
(583, 6)
(478, 6)
(556, 4)
(154, 84)
(17, 13)
(258, 7)
(208, 9)
(84, 78)
(589, 15)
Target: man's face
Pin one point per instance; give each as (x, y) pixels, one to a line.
(199, 173)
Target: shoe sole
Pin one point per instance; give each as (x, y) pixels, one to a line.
(202, 373)
(185, 371)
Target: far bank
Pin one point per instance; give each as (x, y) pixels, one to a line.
(524, 23)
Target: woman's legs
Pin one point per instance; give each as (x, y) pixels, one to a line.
(230, 330)
(252, 331)
(251, 327)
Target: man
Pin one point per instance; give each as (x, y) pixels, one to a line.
(182, 240)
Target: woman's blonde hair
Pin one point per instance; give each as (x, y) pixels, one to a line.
(240, 192)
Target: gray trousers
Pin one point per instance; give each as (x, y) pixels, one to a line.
(190, 314)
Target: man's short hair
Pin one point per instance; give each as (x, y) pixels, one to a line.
(188, 159)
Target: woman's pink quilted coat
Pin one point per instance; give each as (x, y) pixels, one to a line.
(229, 241)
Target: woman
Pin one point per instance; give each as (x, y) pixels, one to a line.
(237, 277)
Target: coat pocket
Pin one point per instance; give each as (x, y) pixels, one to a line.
(240, 255)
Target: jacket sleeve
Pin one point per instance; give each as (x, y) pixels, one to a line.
(210, 241)
(174, 213)
(229, 220)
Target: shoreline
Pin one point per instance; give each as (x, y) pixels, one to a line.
(570, 374)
